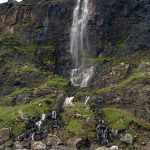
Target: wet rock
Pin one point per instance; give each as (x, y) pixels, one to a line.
(5, 135)
(103, 133)
(126, 138)
(38, 146)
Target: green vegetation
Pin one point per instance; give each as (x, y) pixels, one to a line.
(119, 119)
(28, 68)
(79, 122)
(9, 116)
(102, 90)
(19, 91)
(75, 126)
(121, 45)
(132, 79)
(57, 81)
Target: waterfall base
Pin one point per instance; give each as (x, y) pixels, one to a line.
(81, 76)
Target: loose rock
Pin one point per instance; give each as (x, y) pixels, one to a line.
(38, 146)
(127, 138)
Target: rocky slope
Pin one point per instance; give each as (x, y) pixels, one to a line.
(34, 76)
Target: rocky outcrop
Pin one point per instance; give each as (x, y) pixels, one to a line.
(112, 25)
(40, 47)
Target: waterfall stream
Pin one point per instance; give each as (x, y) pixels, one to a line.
(79, 45)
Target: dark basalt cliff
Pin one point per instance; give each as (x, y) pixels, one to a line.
(48, 23)
(35, 65)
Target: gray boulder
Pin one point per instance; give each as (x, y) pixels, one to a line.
(38, 146)
(126, 138)
(5, 135)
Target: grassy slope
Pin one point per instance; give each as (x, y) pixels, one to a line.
(26, 78)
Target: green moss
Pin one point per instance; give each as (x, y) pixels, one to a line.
(121, 45)
(132, 79)
(57, 81)
(29, 69)
(9, 41)
(102, 90)
(119, 119)
(19, 91)
(75, 122)
(9, 116)
(75, 126)
(14, 94)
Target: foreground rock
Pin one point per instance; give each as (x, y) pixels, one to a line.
(5, 135)
(38, 146)
(105, 148)
(127, 138)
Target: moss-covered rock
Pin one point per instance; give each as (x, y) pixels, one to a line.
(10, 117)
(120, 119)
(79, 121)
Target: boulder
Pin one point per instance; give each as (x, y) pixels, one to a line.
(38, 146)
(4, 135)
(73, 142)
(147, 147)
(53, 140)
(126, 138)
(9, 143)
(18, 145)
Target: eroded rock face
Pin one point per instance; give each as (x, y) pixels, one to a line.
(113, 24)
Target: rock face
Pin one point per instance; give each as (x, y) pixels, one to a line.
(36, 47)
(112, 24)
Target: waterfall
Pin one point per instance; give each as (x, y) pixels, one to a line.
(39, 123)
(68, 102)
(86, 100)
(79, 45)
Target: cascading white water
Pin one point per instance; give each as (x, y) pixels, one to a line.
(79, 44)
(68, 101)
(86, 100)
(39, 123)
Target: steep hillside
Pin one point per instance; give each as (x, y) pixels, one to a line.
(35, 65)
